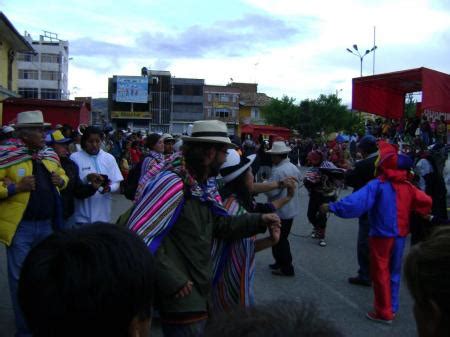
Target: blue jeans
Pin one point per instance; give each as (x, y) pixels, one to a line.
(27, 235)
(363, 248)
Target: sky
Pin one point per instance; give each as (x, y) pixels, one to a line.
(289, 47)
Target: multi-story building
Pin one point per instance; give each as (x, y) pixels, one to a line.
(222, 103)
(187, 103)
(43, 73)
(251, 103)
(141, 102)
(11, 43)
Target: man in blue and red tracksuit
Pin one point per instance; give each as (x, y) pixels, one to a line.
(389, 200)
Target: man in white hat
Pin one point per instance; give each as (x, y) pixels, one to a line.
(178, 215)
(169, 143)
(30, 203)
(282, 168)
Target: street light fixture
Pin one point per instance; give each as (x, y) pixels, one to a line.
(361, 56)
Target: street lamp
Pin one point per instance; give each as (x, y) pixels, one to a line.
(361, 56)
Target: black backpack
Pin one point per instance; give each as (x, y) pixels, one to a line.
(132, 182)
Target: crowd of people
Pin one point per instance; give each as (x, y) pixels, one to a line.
(191, 235)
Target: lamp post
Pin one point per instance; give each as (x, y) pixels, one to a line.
(360, 56)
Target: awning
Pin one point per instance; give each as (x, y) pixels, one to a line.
(384, 94)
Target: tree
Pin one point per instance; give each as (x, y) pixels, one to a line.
(310, 117)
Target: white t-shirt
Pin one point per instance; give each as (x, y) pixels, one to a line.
(98, 206)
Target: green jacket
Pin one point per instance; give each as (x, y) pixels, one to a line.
(185, 254)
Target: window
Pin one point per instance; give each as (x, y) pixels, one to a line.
(49, 58)
(224, 98)
(209, 97)
(50, 94)
(222, 113)
(25, 57)
(255, 113)
(27, 74)
(49, 75)
(28, 92)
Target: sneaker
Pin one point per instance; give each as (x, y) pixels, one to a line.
(274, 266)
(314, 234)
(322, 243)
(376, 318)
(359, 281)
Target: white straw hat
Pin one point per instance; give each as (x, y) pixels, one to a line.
(279, 148)
(30, 119)
(209, 131)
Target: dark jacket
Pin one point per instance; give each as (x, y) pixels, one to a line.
(75, 188)
(363, 172)
(185, 254)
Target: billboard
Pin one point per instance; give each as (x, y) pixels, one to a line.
(132, 89)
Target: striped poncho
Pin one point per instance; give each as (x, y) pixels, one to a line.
(234, 266)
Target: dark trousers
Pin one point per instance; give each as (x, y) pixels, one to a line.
(362, 248)
(282, 250)
(318, 219)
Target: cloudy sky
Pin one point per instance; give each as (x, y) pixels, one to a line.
(291, 47)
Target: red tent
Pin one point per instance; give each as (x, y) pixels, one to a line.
(384, 94)
(266, 130)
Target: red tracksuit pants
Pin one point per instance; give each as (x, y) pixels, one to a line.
(385, 271)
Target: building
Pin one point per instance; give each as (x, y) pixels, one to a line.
(250, 103)
(44, 74)
(187, 103)
(141, 103)
(222, 103)
(11, 42)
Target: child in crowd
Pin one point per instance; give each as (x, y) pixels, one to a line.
(322, 189)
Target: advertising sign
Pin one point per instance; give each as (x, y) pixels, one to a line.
(131, 114)
(132, 89)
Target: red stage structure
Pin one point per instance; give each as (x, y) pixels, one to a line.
(384, 94)
(266, 130)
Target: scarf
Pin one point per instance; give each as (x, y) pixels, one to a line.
(14, 154)
(163, 198)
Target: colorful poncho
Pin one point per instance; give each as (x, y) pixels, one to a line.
(14, 154)
(234, 266)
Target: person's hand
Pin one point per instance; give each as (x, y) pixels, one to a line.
(27, 184)
(57, 180)
(291, 186)
(271, 220)
(324, 208)
(95, 179)
(7, 181)
(185, 290)
(275, 233)
(288, 180)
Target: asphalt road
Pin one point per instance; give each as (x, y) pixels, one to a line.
(321, 277)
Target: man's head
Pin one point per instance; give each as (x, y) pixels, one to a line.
(59, 143)
(276, 319)
(91, 140)
(279, 152)
(169, 142)
(30, 128)
(93, 281)
(367, 145)
(427, 273)
(206, 149)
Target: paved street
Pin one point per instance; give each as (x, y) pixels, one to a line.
(321, 277)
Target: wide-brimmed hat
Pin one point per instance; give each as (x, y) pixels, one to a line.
(235, 165)
(7, 129)
(57, 137)
(209, 131)
(167, 137)
(30, 119)
(279, 148)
